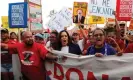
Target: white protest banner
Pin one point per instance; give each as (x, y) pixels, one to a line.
(103, 8)
(60, 20)
(91, 67)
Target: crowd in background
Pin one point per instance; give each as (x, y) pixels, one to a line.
(32, 49)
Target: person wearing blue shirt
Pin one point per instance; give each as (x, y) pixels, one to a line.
(100, 48)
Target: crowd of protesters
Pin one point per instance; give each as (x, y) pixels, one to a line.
(33, 49)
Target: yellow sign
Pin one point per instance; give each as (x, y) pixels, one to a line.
(5, 24)
(96, 20)
(4, 20)
(79, 12)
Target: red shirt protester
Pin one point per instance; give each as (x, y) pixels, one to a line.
(129, 48)
(35, 54)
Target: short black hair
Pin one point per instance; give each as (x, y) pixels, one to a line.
(54, 32)
(4, 30)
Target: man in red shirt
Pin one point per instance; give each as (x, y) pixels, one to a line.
(32, 56)
(129, 48)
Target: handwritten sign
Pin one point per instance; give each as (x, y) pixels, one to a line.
(96, 20)
(124, 10)
(103, 8)
(62, 19)
(18, 15)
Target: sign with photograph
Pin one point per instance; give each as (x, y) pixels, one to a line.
(79, 12)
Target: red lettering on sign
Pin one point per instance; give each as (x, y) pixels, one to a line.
(59, 77)
(125, 78)
(105, 77)
(74, 70)
(91, 76)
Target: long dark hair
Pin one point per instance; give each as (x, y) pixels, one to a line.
(59, 39)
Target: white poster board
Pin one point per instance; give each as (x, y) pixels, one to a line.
(103, 8)
(35, 17)
(60, 20)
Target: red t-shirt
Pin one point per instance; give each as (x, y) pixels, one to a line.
(120, 43)
(6, 56)
(129, 48)
(37, 53)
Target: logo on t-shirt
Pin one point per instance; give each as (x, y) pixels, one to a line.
(27, 55)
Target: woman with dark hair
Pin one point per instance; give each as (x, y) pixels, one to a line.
(66, 45)
(13, 36)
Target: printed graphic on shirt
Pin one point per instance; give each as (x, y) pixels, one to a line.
(27, 55)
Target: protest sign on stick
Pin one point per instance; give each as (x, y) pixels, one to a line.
(60, 20)
(79, 12)
(124, 10)
(18, 15)
(103, 8)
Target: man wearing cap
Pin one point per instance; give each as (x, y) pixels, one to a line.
(39, 38)
(6, 57)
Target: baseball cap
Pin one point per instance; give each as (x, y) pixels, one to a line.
(39, 35)
(4, 30)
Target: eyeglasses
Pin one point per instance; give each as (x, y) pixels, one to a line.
(96, 35)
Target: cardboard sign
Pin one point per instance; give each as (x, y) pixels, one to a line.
(4, 20)
(18, 15)
(79, 12)
(103, 8)
(124, 10)
(35, 17)
(60, 20)
(96, 20)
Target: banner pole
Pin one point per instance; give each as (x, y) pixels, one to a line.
(19, 36)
